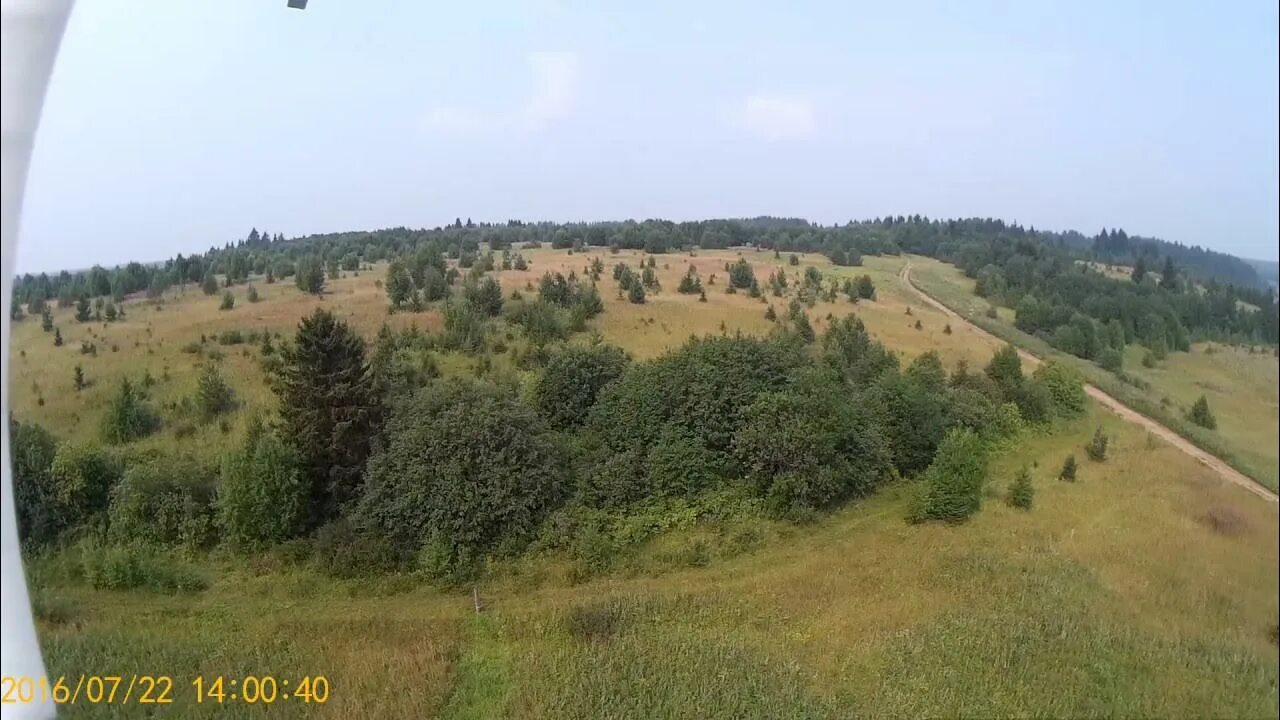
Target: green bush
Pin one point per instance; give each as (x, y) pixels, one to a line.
(704, 386)
(1005, 368)
(1201, 415)
(679, 464)
(128, 417)
(164, 500)
(807, 448)
(344, 550)
(32, 450)
(230, 337)
(1021, 491)
(82, 477)
(465, 463)
(952, 486)
(213, 395)
(1111, 359)
(1097, 447)
(263, 499)
(572, 380)
(485, 296)
(1065, 386)
(465, 326)
(1035, 402)
(1068, 471)
(134, 567)
(543, 322)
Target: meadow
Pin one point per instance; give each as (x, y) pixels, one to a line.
(157, 339)
(1145, 588)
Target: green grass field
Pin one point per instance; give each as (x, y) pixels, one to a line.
(1146, 588)
(1241, 386)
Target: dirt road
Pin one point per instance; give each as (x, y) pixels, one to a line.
(1225, 471)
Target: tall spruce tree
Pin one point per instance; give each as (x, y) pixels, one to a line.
(330, 410)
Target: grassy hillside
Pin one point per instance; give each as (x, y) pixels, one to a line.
(1145, 588)
(1241, 386)
(1126, 593)
(153, 338)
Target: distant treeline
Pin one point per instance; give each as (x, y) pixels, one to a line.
(1176, 294)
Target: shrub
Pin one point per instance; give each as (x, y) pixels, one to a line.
(132, 567)
(595, 622)
(213, 395)
(1224, 520)
(465, 326)
(228, 301)
(342, 549)
(741, 276)
(128, 416)
(1065, 386)
(32, 450)
(543, 322)
(262, 500)
(679, 465)
(1201, 415)
(82, 477)
(230, 337)
(1005, 368)
(1021, 491)
(572, 379)
(808, 448)
(464, 464)
(1111, 359)
(1068, 471)
(1035, 401)
(164, 501)
(952, 487)
(251, 294)
(705, 386)
(485, 295)
(1097, 447)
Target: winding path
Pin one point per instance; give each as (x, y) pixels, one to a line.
(1225, 471)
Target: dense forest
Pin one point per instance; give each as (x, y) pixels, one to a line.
(1175, 294)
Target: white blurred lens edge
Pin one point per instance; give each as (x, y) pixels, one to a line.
(30, 31)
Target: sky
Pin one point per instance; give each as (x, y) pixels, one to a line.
(175, 126)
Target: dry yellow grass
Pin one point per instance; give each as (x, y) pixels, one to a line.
(152, 337)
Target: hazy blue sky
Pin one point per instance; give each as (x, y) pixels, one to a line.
(171, 126)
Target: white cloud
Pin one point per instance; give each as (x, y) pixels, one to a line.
(555, 87)
(552, 97)
(776, 116)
